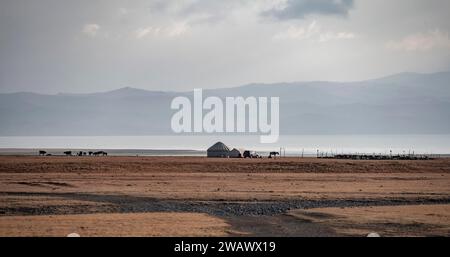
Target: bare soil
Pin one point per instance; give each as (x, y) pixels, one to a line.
(251, 196)
(113, 224)
(410, 220)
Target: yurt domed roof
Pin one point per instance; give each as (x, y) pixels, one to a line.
(219, 147)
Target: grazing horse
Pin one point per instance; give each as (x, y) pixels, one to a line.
(274, 154)
(42, 153)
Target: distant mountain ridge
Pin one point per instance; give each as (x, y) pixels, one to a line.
(402, 103)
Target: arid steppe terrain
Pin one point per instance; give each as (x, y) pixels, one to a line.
(196, 196)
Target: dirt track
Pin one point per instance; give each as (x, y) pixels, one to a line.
(234, 190)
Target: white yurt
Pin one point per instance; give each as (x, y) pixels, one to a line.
(219, 149)
(236, 153)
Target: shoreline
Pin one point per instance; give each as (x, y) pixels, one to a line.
(59, 152)
(113, 152)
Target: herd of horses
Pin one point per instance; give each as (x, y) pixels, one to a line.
(80, 153)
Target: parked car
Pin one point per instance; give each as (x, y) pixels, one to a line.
(250, 154)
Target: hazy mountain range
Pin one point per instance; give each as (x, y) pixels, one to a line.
(405, 103)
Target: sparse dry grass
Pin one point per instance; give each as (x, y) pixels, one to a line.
(411, 220)
(132, 224)
(198, 179)
(234, 179)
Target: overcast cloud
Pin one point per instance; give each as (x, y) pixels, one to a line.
(55, 46)
(299, 9)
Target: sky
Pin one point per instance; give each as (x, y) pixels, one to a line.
(53, 46)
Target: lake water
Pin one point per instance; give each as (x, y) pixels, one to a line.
(293, 145)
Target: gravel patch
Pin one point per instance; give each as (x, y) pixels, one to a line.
(133, 204)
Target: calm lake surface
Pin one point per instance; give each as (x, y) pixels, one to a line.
(183, 145)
